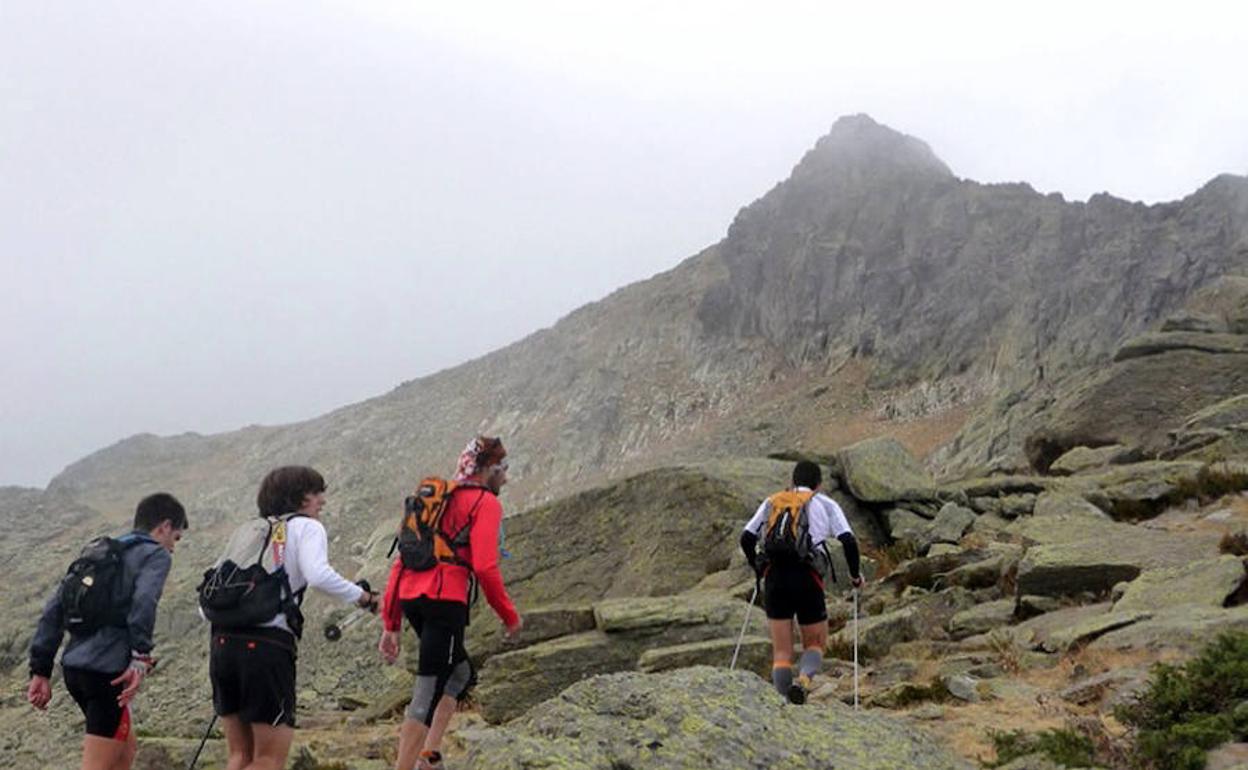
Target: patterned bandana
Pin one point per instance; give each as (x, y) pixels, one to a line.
(481, 453)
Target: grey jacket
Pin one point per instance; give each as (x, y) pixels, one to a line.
(107, 651)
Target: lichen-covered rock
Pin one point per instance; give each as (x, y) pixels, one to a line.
(1054, 503)
(1116, 553)
(699, 717)
(1186, 628)
(1089, 628)
(878, 633)
(1207, 583)
(981, 618)
(755, 655)
(880, 470)
(540, 624)
(626, 627)
(1083, 458)
(1142, 489)
(1152, 343)
(951, 523)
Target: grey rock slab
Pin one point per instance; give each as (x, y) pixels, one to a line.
(981, 618)
(1152, 343)
(1082, 458)
(1088, 629)
(754, 655)
(963, 687)
(951, 523)
(1207, 582)
(700, 717)
(1186, 628)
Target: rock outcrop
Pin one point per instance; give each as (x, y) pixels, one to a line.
(699, 717)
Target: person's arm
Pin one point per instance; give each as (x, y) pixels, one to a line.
(391, 605)
(149, 584)
(48, 635)
(313, 557)
(483, 540)
(750, 535)
(838, 527)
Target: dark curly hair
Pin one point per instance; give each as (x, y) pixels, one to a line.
(284, 489)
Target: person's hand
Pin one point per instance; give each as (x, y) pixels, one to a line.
(130, 680)
(389, 646)
(368, 601)
(858, 582)
(39, 692)
(512, 631)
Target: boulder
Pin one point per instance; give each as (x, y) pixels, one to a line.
(951, 524)
(755, 655)
(1087, 629)
(878, 633)
(1207, 583)
(999, 560)
(1153, 343)
(1091, 689)
(1186, 628)
(981, 618)
(1083, 458)
(512, 682)
(880, 470)
(540, 624)
(691, 617)
(1232, 411)
(907, 525)
(1065, 504)
(1115, 553)
(699, 717)
(1035, 633)
(964, 687)
(1140, 490)
(1195, 321)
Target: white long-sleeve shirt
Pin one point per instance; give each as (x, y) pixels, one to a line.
(307, 565)
(825, 518)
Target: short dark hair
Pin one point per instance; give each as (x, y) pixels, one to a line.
(807, 474)
(160, 507)
(284, 489)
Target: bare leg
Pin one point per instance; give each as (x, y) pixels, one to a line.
(127, 753)
(100, 753)
(272, 745)
(239, 743)
(441, 718)
(781, 654)
(411, 738)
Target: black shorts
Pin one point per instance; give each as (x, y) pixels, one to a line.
(98, 700)
(440, 624)
(253, 675)
(790, 590)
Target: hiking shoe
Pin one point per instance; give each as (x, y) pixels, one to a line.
(429, 760)
(798, 690)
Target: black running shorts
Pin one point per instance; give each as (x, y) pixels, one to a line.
(98, 700)
(794, 590)
(440, 624)
(253, 676)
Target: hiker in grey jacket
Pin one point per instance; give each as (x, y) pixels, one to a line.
(103, 669)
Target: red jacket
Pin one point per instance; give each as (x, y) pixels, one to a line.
(468, 503)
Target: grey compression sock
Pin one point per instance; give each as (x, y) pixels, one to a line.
(810, 662)
(782, 678)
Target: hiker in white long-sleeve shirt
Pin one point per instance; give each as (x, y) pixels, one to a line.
(795, 526)
(252, 667)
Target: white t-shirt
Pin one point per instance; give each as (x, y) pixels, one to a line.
(824, 516)
(307, 564)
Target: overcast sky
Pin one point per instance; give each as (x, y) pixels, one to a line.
(218, 214)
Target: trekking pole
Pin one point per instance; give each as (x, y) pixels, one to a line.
(744, 624)
(855, 649)
(207, 732)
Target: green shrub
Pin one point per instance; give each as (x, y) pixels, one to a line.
(1186, 710)
(1065, 747)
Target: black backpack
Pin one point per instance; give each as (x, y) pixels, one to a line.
(93, 593)
(248, 586)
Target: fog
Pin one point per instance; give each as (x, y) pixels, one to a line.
(218, 214)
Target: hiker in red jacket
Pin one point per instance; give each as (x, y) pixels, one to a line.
(435, 603)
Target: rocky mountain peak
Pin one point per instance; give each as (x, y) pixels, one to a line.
(858, 146)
